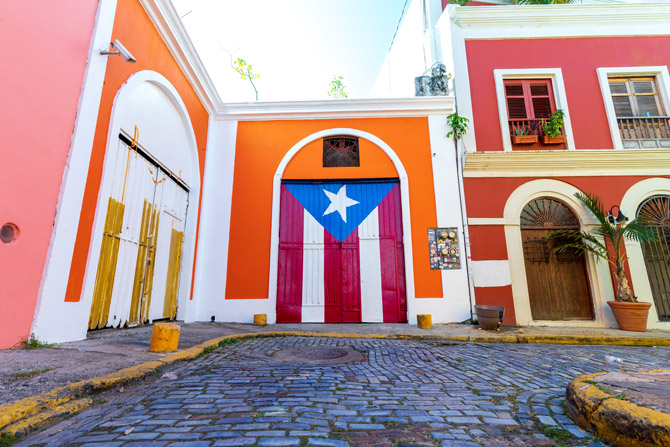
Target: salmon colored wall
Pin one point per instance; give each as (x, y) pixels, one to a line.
(578, 58)
(486, 197)
(487, 242)
(261, 145)
(44, 50)
(307, 164)
(133, 27)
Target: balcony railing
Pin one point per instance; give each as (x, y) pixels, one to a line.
(652, 128)
(531, 126)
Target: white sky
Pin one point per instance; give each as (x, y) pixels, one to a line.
(297, 46)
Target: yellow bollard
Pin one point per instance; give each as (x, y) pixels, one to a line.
(424, 321)
(260, 319)
(165, 337)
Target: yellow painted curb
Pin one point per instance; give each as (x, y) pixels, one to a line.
(619, 422)
(25, 426)
(25, 408)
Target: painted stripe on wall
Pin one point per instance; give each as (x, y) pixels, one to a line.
(313, 287)
(332, 279)
(371, 274)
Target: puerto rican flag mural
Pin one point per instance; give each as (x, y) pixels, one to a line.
(341, 256)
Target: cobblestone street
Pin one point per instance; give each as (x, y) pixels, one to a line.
(403, 393)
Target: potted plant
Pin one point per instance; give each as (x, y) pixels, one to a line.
(606, 241)
(522, 135)
(553, 128)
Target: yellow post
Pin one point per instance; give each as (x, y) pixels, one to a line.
(260, 319)
(165, 337)
(424, 321)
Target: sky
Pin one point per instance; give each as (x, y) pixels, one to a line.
(297, 46)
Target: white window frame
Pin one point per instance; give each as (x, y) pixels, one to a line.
(560, 99)
(604, 73)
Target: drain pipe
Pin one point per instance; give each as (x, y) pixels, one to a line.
(460, 163)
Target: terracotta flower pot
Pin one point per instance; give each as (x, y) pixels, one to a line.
(524, 139)
(554, 140)
(630, 316)
(489, 317)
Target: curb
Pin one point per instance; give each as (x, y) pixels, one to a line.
(619, 422)
(23, 416)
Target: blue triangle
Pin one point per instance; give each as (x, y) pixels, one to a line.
(315, 199)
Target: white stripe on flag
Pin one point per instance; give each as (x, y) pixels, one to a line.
(371, 269)
(313, 285)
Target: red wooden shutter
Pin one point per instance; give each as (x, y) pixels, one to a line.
(529, 98)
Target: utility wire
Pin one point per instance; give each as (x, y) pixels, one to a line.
(402, 14)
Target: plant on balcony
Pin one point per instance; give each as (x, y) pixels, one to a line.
(606, 241)
(523, 135)
(553, 128)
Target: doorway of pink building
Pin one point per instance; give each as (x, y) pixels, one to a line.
(341, 253)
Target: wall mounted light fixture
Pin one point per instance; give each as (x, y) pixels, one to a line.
(120, 50)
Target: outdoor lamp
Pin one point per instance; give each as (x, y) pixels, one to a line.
(620, 218)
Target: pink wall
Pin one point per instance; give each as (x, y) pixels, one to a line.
(44, 46)
(578, 58)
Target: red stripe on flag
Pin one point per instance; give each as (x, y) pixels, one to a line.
(394, 297)
(342, 279)
(289, 272)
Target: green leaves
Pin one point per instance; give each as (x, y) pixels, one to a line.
(337, 88)
(458, 125)
(245, 70)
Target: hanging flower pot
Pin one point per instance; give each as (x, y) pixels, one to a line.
(561, 139)
(524, 139)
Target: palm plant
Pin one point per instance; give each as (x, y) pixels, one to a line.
(605, 241)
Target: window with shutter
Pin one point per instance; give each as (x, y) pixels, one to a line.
(634, 97)
(639, 112)
(530, 99)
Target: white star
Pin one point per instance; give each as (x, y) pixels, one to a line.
(339, 202)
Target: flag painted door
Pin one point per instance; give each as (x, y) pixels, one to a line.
(341, 257)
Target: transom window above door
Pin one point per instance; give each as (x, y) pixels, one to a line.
(642, 119)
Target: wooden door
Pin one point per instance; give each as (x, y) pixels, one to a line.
(657, 253)
(558, 285)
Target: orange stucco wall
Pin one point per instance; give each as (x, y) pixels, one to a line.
(133, 27)
(44, 51)
(261, 145)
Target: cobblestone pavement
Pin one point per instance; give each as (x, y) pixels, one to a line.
(403, 393)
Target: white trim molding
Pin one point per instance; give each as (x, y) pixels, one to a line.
(599, 275)
(604, 73)
(577, 163)
(406, 221)
(563, 20)
(165, 18)
(560, 98)
(631, 201)
(343, 108)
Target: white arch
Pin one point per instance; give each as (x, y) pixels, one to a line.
(601, 287)
(404, 195)
(631, 201)
(119, 108)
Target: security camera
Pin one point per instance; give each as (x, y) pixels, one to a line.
(121, 51)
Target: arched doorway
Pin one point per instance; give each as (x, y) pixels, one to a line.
(558, 285)
(341, 251)
(657, 253)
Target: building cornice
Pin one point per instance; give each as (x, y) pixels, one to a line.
(169, 26)
(610, 19)
(329, 109)
(575, 163)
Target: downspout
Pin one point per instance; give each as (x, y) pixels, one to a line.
(460, 163)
